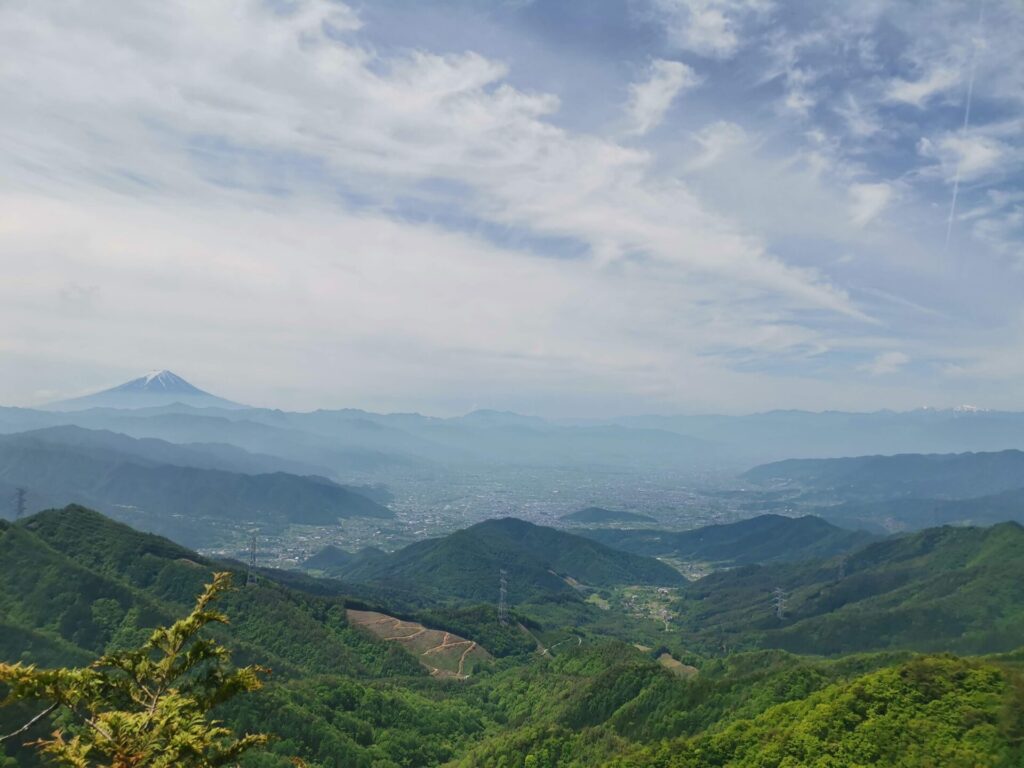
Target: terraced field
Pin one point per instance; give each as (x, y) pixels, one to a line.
(444, 654)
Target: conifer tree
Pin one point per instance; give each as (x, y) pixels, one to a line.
(143, 708)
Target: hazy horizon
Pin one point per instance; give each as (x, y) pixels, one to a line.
(966, 407)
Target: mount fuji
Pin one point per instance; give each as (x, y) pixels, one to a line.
(152, 390)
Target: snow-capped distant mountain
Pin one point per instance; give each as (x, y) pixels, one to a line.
(969, 409)
(152, 390)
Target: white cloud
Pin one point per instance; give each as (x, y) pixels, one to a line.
(244, 149)
(1003, 232)
(968, 156)
(885, 363)
(919, 92)
(861, 121)
(998, 222)
(371, 305)
(262, 85)
(198, 149)
(867, 201)
(649, 100)
(716, 141)
(707, 27)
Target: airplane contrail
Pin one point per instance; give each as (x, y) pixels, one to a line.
(963, 129)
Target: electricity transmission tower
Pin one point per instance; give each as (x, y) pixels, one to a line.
(842, 567)
(503, 599)
(250, 577)
(779, 598)
(19, 503)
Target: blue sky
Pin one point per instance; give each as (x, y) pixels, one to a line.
(554, 207)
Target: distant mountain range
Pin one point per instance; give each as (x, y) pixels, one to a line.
(540, 562)
(953, 476)
(154, 389)
(905, 491)
(599, 515)
(775, 435)
(761, 539)
(173, 489)
(345, 441)
(221, 456)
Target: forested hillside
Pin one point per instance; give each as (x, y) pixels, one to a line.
(74, 584)
(958, 589)
(540, 562)
(765, 711)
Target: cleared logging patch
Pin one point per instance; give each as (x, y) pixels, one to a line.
(443, 653)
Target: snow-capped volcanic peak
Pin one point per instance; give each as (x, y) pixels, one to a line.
(160, 381)
(159, 388)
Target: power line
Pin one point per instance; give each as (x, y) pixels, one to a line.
(250, 577)
(779, 599)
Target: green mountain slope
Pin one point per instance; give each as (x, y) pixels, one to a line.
(926, 712)
(73, 582)
(538, 560)
(330, 558)
(762, 539)
(75, 577)
(959, 589)
(610, 706)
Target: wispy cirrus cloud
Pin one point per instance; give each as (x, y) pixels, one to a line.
(867, 201)
(650, 99)
(405, 196)
(182, 107)
(886, 363)
(707, 27)
(938, 80)
(716, 141)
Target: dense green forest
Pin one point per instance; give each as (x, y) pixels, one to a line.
(955, 589)
(74, 584)
(540, 562)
